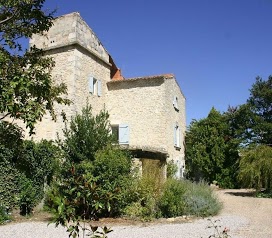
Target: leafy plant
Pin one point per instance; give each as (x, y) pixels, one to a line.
(218, 233)
(73, 199)
(172, 169)
(146, 193)
(200, 200)
(4, 216)
(27, 195)
(112, 173)
(171, 202)
(85, 135)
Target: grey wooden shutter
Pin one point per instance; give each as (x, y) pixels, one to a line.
(99, 88)
(91, 84)
(175, 135)
(123, 134)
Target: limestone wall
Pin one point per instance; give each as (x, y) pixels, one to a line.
(175, 116)
(139, 104)
(146, 106)
(70, 29)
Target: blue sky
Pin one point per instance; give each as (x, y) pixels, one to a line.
(215, 48)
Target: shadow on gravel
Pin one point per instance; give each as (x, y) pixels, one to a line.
(242, 193)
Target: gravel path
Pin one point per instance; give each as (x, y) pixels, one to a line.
(244, 216)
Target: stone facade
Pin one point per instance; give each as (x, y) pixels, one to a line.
(148, 113)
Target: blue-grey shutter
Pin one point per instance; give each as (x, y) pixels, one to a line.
(123, 134)
(178, 170)
(174, 101)
(99, 88)
(179, 136)
(175, 135)
(91, 84)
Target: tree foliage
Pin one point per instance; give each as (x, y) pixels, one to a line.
(95, 173)
(253, 120)
(27, 90)
(25, 168)
(85, 135)
(256, 167)
(211, 152)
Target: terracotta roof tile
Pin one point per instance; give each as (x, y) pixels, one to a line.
(161, 76)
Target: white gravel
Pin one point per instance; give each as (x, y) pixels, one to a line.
(196, 229)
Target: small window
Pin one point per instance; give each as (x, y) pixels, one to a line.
(115, 133)
(177, 136)
(175, 103)
(120, 134)
(95, 86)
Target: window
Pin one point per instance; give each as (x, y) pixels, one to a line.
(175, 103)
(120, 133)
(115, 133)
(177, 136)
(95, 86)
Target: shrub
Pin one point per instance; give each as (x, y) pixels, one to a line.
(28, 195)
(100, 188)
(200, 200)
(38, 163)
(171, 202)
(144, 202)
(172, 169)
(10, 148)
(111, 171)
(4, 216)
(85, 135)
(145, 193)
(9, 179)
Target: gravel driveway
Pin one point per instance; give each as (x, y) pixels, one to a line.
(244, 216)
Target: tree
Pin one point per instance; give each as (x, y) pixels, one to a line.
(27, 90)
(256, 167)
(260, 104)
(253, 120)
(86, 135)
(211, 152)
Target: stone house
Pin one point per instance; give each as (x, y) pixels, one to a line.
(147, 114)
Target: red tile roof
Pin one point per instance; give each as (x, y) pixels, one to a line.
(161, 76)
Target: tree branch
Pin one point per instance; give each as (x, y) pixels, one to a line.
(9, 18)
(2, 117)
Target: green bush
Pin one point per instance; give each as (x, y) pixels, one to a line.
(173, 198)
(111, 171)
(10, 148)
(37, 164)
(28, 195)
(200, 200)
(73, 197)
(25, 167)
(172, 202)
(172, 169)
(145, 194)
(85, 135)
(4, 216)
(9, 179)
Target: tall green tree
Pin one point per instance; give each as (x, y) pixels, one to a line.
(260, 104)
(27, 90)
(256, 167)
(211, 152)
(252, 121)
(85, 135)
